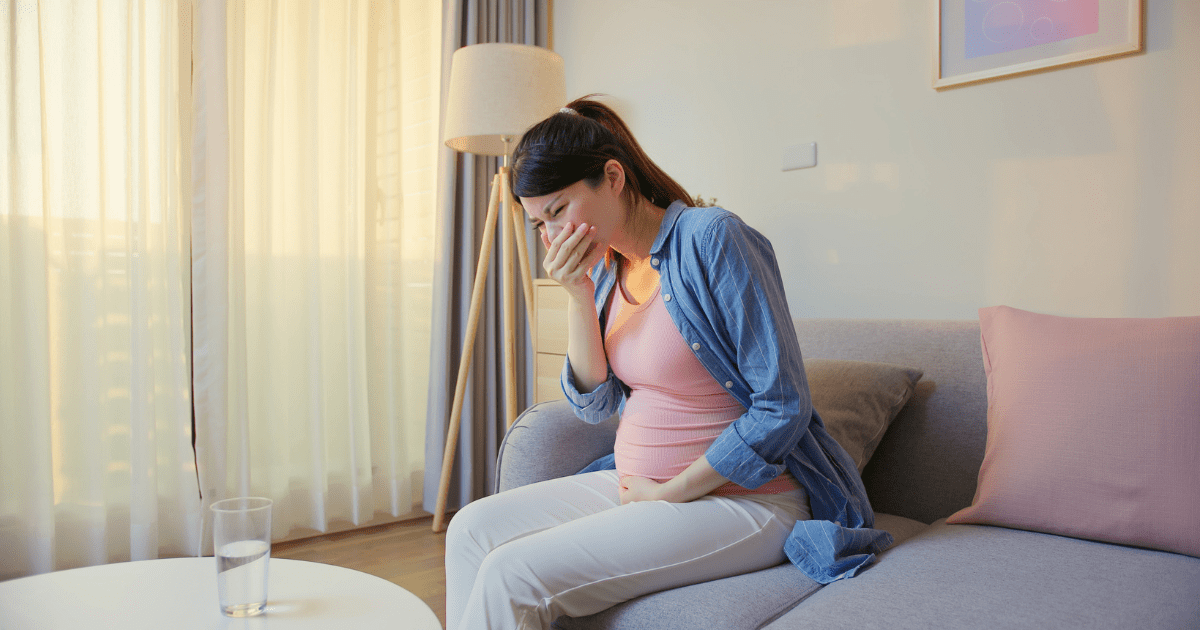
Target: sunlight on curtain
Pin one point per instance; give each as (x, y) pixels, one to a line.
(333, 137)
(96, 461)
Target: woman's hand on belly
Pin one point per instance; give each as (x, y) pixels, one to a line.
(695, 481)
(640, 489)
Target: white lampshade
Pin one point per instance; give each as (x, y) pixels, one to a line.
(498, 91)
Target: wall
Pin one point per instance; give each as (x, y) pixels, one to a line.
(1074, 191)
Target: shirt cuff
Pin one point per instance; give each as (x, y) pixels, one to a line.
(738, 462)
(594, 406)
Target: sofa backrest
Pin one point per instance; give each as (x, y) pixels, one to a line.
(927, 464)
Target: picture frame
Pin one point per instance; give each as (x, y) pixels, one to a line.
(1015, 37)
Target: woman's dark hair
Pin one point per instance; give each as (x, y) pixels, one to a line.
(569, 147)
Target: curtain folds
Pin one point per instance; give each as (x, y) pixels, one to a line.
(216, 243)
(95, 412)
(314, 254)
(462, 197)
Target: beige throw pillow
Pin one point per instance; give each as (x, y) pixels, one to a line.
(858, 400)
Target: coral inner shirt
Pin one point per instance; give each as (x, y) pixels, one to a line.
(675, 408)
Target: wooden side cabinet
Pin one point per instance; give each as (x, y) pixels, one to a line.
(550, 338)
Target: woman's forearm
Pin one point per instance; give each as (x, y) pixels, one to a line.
(585, 346)
(697, 480)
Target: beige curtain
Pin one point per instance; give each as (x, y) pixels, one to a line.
(96, 460)
(314, 255)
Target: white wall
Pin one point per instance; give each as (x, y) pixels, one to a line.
(1074, 191)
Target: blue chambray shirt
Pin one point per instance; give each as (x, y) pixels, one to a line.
(723, 290)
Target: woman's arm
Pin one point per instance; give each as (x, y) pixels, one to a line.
(585, 346)
(568, 258)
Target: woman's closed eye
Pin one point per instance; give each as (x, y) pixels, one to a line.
(541, 225)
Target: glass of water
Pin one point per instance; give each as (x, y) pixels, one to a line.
(242, 542)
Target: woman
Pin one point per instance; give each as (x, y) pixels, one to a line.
(677, 319)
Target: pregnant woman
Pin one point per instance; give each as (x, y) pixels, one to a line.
(678, 321)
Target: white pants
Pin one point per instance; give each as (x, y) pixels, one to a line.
(521, 558)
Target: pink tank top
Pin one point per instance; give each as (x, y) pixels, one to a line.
(675, 409)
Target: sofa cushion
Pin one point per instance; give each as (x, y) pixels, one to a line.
(857, 400)
(1093, 428)
(972, 576)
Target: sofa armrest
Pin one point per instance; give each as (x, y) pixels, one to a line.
(548, 441)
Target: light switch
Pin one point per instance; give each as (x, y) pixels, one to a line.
(800, 156)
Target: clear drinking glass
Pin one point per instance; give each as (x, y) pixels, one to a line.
(242, 542)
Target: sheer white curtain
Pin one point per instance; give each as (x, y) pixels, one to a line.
(96, 461)
(315, 255)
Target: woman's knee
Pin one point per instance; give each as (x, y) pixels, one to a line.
(466, 527)
(503, 566)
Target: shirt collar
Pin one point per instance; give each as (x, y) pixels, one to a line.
(668, 223)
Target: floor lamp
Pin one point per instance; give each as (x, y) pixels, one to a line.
(497, 91)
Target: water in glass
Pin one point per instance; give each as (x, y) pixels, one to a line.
(242, 577)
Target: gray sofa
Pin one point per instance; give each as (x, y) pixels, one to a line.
(924, 469)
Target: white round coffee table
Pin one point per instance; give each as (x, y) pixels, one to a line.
(182, 593)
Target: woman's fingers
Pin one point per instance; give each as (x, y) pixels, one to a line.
(573, 235)
(554, 245)
(568, 250)
(577, 244)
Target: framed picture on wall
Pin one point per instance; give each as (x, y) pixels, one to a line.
(980, 40)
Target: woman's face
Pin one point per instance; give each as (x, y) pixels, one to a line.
(577, 204)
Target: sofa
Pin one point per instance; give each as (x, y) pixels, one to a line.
(924, 469)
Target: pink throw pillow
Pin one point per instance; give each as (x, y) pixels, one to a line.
(1093, 428)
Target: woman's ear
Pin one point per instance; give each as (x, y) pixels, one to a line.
(614, 177)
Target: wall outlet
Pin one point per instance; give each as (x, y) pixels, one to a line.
(800, 156)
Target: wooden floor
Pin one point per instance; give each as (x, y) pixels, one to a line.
(408, 554)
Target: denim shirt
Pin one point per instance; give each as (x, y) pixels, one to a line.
(723, 289)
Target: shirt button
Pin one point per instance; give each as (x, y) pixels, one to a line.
(695, 346)
(728, 384)
(654, 261)
(667, 297)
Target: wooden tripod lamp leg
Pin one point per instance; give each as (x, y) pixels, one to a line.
(510, 325)
(518, 219)
(464, 364)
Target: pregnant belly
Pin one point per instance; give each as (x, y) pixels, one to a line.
(659, 444)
